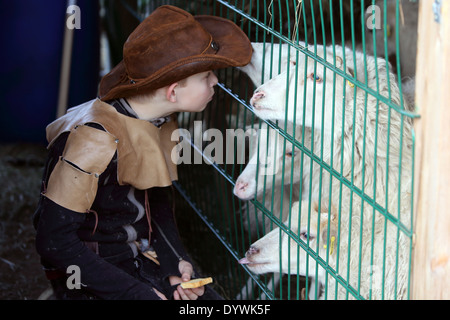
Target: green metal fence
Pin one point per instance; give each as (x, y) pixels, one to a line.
(351, 167)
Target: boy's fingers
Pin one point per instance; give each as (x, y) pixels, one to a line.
(162, 296)
(186, 271)
(183, 293)
(191, 294)
(199, 291)
(186, 276)
(187, 294)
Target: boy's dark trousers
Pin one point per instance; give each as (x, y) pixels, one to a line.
(141, 268)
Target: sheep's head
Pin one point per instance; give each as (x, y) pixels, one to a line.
(273, 162)
(306, 92)
(268, 60)
(318, 231)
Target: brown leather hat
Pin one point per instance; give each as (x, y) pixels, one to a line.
(170, 45)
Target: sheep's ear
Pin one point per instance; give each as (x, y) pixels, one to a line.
(339, 62)
(295, 207)
(324, 218)
(328, 225)
(351, 72)
(315, 207)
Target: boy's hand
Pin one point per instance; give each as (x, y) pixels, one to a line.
(159, 294)
(186, 271)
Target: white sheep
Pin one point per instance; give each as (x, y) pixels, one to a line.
(264, 178)
(274, 161)
(367, 145)
(268, 156)
(269, 255)
(362, 139)
(326, 239)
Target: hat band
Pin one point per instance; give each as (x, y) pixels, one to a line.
(211, 45)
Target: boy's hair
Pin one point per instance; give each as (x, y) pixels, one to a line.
(149, 94)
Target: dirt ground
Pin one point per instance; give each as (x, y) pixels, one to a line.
(21, 275)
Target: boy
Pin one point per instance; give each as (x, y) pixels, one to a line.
(105, 206)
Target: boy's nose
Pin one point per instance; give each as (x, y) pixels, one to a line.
(214, 79)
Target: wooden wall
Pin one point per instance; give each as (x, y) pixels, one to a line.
(431, 258)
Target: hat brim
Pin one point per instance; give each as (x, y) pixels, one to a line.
(234, 45)
(234, 50)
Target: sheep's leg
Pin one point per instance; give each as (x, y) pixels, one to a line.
(273, 283)
(312, 290)
(246, 291)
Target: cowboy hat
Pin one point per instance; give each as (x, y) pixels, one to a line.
(170, 45)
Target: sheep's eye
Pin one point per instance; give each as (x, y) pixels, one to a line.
(318, 79)
(290, 154)
(304, 236)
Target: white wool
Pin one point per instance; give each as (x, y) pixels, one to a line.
(364, 136)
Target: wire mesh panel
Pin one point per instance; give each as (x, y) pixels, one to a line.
(297, 181)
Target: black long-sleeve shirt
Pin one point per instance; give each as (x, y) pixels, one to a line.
(116, 220)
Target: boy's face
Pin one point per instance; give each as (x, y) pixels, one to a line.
(197, 92)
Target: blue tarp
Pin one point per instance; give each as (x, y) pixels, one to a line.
(31, 40)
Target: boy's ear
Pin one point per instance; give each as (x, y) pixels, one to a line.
(170, 92)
